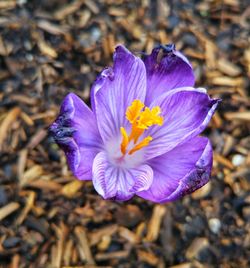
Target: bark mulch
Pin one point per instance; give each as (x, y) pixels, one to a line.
(49, 219)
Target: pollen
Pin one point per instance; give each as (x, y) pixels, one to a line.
(150, 117)
(141, 118)
(134, 111)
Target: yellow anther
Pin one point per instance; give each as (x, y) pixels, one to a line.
(158, 120)
(134, 110)
(141, 144)
(150, 117)
(140, 119)
(125, 140)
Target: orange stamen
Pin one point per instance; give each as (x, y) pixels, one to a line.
(141, 144)
(125, 140)
(141, 119)
(135, 133)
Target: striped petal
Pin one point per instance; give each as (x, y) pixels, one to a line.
(115, 90)
(114, 182)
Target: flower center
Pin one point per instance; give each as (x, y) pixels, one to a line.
(141, 118)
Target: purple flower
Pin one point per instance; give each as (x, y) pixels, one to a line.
(141, 136)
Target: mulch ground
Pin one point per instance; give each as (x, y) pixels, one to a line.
(48, 218)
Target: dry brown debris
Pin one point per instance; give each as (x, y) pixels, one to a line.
(49, 219)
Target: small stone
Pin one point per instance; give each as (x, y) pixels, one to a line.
(21, 2)
(39, 225)
(207, 255)
(238, 160)
(195, 226)
(214, 225)
(3, 196)
(95, 34)
(173, 21)
(189, 39)
(29, 57)
(128, 216)
(11, 242)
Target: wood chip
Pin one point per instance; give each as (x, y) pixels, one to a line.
(128, 235)
(22, 158)
(46, 49)
(224, 161)
(15, 261)
(45, 185)
(7, 4)
(227, 81)
(31, 174)
(70, 189)
(61, 233)
(28, 206)
(210, 54)
(155, 223)
(68, 252)
(196, 246)
(8, 209)
(26, 118)
(228, 67)
(245, 116)
(121, 254)
(68, 9)
(37, 138)
(202, 192)
(83, 246)
(147, 257)
(6, 124)
(105, 243)
(23, 99)
(96, 236)
(51, 28)
(3, 49)
(92, 6)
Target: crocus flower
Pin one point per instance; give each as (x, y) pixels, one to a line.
(141, 135)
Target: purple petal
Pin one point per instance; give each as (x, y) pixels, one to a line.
(166, 69)
(180, 171)
(113, 182)
(115, 90)
(107, 73)
(186, 111)
(75, 130)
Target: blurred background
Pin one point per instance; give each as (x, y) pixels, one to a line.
(49, 48)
